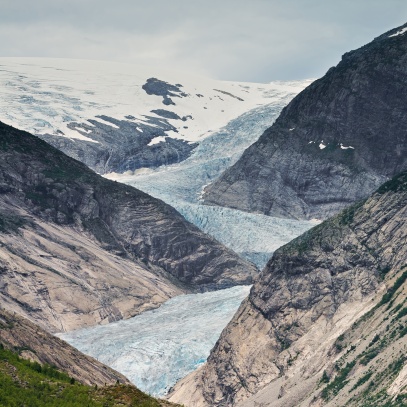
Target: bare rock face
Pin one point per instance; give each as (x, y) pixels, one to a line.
(334, 144)
(77, 249)
(123, 145)
(36, 344)
(311, 292)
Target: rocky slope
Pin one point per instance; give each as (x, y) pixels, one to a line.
(77, 249)
(32, 342)
(38, 369)
(332, 300)
(334, 144)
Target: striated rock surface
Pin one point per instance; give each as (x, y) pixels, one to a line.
(334, 144)
(122, 145)
(77, 249)
(301, 317)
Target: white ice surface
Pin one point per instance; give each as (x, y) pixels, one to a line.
(156, 140)
(157, 348)
(43, 95)
(346, 147)
(401, 32)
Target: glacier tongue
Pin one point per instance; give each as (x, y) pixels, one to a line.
(253, 236)
(74, 100)
(159, 347)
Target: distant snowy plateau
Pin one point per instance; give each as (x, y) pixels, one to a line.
(169, 134)
(166, 133)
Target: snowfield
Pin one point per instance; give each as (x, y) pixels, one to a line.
(43, 96)
(95, 103)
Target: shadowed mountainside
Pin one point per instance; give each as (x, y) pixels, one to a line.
(334, 143)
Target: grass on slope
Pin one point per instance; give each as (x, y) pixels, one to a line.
(28, 384)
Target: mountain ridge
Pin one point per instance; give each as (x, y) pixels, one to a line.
(112, 116)
(333, 144)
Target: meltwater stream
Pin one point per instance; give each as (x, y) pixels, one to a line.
(159, 347)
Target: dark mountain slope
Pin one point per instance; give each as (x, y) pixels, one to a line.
(334, 144)
(76, 245)
(301, 317)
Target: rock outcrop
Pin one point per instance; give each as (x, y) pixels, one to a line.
(123, 145)
(319, 306)
(77, 249)
(334, 143)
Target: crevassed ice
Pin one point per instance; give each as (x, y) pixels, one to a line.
(253, 236)
(159, 347)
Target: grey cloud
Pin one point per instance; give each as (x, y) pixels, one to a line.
(260, 40)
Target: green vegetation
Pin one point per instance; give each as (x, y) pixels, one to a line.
(370, 398)
(29, 384)
(369, 355)
(383, 400)
(376, 381)
(325, 377)
(347, 215)
(392, 290)
(402, 313)
(339, 345)
(11, 223)
(396, 184)
(340, 381)
(362, 380)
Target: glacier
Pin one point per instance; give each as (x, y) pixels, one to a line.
(253, 236)
(79, 101)
(157, 348)
(83, 103)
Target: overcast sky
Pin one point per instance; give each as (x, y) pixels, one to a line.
(249, 40)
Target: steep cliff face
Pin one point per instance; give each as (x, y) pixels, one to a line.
(77, 249)
(123, 145)
(334, 144)
(298, 319)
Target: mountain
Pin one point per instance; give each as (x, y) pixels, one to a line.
(113, 117)
(38, 369)
(34, 343)
(325, 323)
(253, 236)
(334, 143)
(117, 117)
(78, 249)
